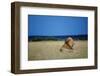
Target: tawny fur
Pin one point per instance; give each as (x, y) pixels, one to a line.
(69, 42)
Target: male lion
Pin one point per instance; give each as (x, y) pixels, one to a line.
(69, 42)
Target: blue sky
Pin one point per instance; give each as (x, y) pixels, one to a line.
(46, 25)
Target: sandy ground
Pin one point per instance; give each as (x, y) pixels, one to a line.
(47, 50)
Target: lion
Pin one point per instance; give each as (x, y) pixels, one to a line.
(69, 43)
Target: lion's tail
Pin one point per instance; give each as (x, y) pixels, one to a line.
(61, 49)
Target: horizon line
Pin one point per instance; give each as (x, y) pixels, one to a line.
(57, 35)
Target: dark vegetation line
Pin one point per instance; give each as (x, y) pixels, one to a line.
(57, 38)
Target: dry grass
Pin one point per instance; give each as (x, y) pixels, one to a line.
(46, 50)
